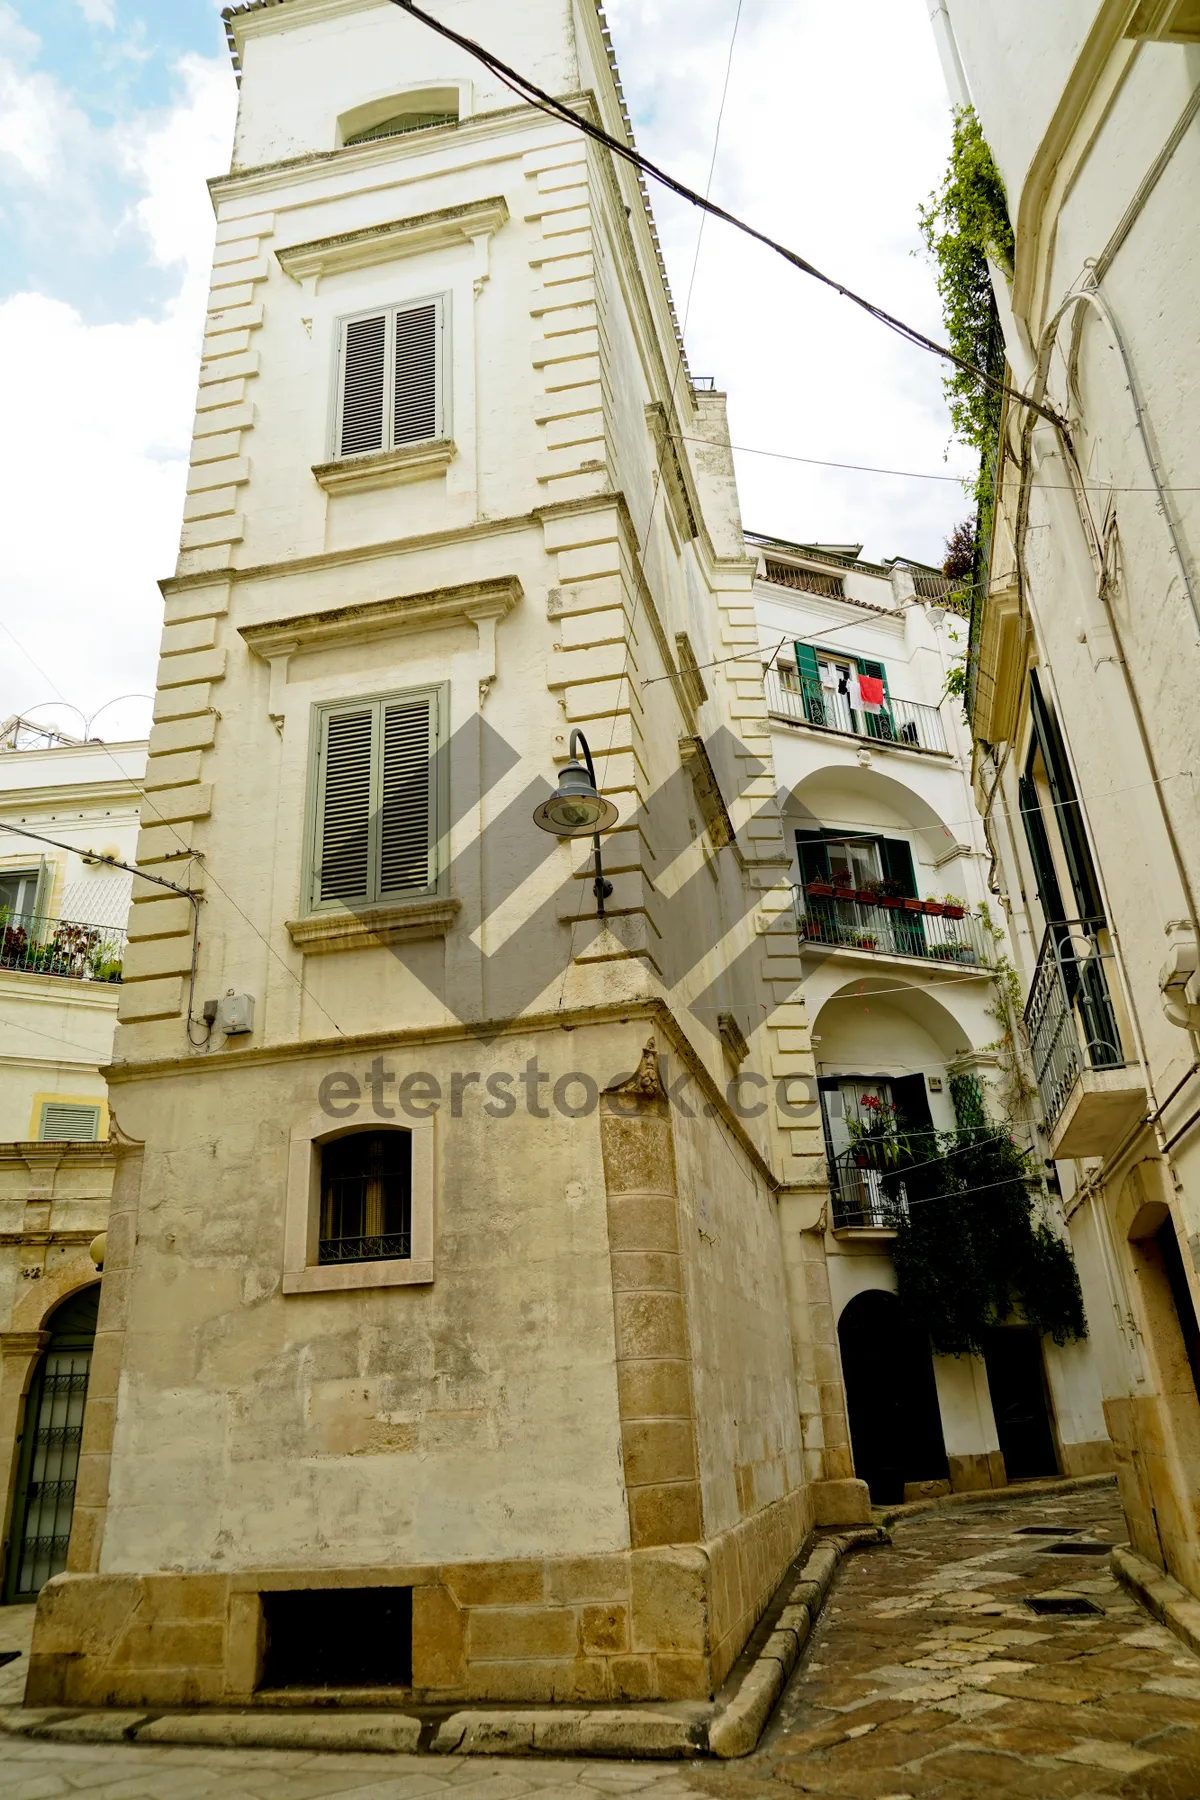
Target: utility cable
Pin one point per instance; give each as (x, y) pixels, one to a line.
(823, 462)
(186, 850)
(533, 95)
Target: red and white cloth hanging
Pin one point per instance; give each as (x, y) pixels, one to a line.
(870, 693)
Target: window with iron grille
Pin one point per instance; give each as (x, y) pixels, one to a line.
(392, 378)
(376, 800)
(366, 1197)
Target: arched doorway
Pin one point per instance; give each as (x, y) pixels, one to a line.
(891, 1397)
(49, 1453)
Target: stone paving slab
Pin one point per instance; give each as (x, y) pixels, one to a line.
(927, 1678)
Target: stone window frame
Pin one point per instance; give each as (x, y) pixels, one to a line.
(302, 1273)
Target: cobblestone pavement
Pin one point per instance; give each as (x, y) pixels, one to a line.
(928, 1675)
(928, 1678)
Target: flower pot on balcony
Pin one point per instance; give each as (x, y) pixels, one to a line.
(813, 928)
(892, 902)
(819, 888)
(843, 893)
(934, 908)
(964, 953)
(956, 912)
(917, 906)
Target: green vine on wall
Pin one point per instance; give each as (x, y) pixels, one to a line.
(969, 1251)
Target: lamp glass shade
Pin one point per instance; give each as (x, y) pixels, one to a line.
(576, 809)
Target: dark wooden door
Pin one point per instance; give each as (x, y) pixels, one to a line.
(891, 1397)
(1013, 1356)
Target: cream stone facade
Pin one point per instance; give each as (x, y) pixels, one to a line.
(1084, 659)
(62, 943)
(554, 1425)
(900, 1002)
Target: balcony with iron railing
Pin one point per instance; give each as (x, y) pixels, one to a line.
(887, 925)
(905, 724)
(859, 1200)
(1078, 1033)
(36, 944)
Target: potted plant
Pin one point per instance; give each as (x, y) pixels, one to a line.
(819, 888)
(863, 940)
(843, 893)
(917, 906)
(814, 928)
(953, 907)
(934, 908)
(965, 953)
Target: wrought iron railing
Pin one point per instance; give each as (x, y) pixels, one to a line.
(803, 701)
(388, 1247)
(891, 927)
(1070, 1014)
(39, 945)
(859, 1200)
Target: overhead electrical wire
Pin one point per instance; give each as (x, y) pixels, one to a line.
(533, 95)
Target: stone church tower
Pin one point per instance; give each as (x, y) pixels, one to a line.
(465, 1326)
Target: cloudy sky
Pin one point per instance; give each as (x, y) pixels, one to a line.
(112, 112)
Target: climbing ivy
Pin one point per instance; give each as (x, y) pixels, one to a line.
(965, 223)
(969, 1251)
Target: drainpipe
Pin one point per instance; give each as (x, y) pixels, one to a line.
(953, 73)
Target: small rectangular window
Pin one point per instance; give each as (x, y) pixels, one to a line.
(375, 828)
(64, 1124)
(366, 1197)
(391, 379)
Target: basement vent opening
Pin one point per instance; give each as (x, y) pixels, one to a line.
(338, 1638)
(1068, 1605)
(1056, 1531)
(1078, 1548)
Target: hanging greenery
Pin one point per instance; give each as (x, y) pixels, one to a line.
(965, 223)
(969, 1251)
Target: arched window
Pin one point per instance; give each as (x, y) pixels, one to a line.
(418, 110)
(403, 122)
(366, 1197)
(49, 1449)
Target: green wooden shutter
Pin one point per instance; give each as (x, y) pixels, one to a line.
(408, 801)
(416, 406)
(806, 663)
(342, 859)
(881, 724)
(1066, 804)
(1044, 873)
(898, 865)
(363, 385)
(63, 1123)
(813, 856)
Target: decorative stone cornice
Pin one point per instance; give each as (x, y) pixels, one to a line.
(473, 223)
(385, 468)
(383, 618)
(324, 933)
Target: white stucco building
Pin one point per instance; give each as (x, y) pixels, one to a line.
(465, 1324)
(1085, 652)
(63, 914)
(901, 1001)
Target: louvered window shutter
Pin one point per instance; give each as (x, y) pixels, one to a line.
(406, 810)
(416, 405)
(807, 664)
(343, 849)
(63, 1123)
(364, 385)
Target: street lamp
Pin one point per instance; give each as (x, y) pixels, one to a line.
(578, 809)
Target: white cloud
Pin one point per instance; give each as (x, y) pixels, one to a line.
(98, 12)
(836, 127)
(94, 480)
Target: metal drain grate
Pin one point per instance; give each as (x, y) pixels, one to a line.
(1047, 1530)
(1079, 1548)
(1072, 1605)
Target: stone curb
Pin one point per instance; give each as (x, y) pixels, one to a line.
(646, 1732)
(1161, 1595)
(1020, 1490)
(736, 1730)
